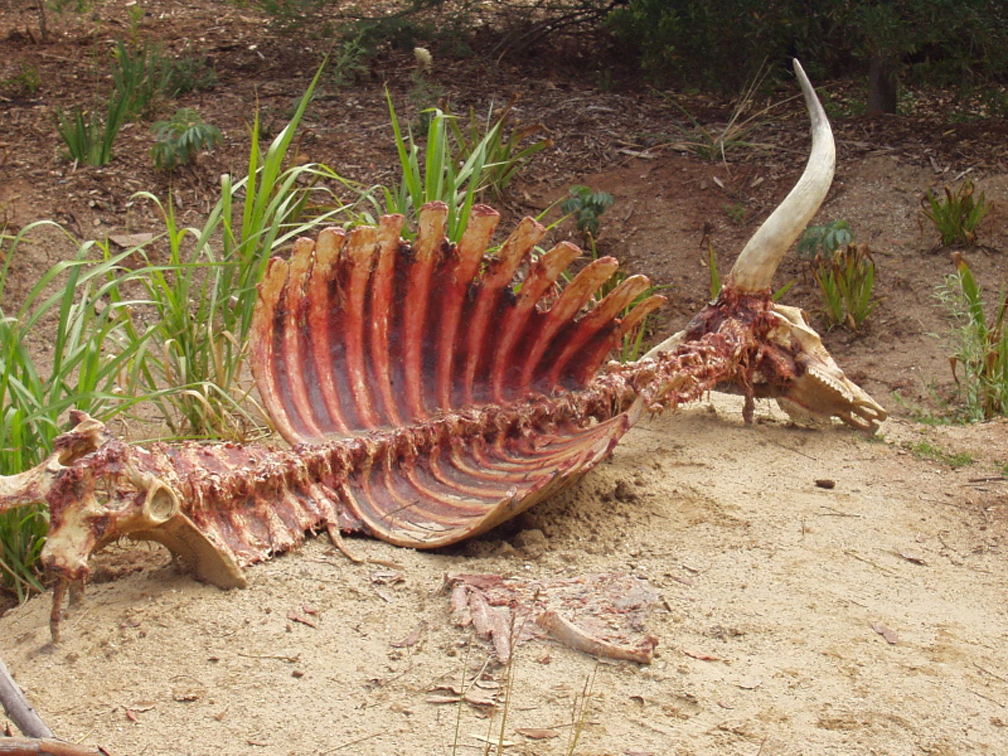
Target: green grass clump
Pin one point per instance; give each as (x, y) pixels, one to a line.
(87, 135)
(980, 344)
(846, 281)
(957, 215)
(927, 450)
(87, 364)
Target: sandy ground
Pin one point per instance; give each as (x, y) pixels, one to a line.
(864, 619)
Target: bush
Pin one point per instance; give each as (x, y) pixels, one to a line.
(720, 44)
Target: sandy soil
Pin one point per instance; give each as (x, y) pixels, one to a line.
(867, 618)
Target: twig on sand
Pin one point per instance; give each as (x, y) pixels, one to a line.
(19, 711)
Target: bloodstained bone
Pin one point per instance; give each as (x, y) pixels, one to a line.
(601, 615)
(433, 391)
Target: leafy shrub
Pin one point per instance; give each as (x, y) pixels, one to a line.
(181, 139)
(957, 215)
(816, 241)
(980, 343)
(719, 44)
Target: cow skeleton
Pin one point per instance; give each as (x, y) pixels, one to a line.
(430, 392)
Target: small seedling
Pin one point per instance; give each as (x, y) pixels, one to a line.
(957, 215)
(181, 139)
(586, 206)
(26, 83)
(824, 240)
(736, 213)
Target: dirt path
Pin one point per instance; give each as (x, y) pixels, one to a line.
(794, 619)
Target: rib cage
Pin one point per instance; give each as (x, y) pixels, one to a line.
(361, 331)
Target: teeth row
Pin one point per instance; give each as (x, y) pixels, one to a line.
(832, 383)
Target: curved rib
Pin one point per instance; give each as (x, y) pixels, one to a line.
(758, 262)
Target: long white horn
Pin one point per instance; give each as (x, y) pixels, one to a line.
(758, 262)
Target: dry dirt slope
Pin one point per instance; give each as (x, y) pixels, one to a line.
(866, 619)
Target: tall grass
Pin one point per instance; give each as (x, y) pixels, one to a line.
(980, 343)
(507, 151)
(205, 294)
(434, 175)
(80, 304)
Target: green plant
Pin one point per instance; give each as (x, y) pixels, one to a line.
(88, 364)
(736, 213)
(932, 40)
(138, 79)
(139, 75)
(844, 272)
(927, 450)
(347, 61)
(820, 241)
(89, 137)
(957, 215)
(182, 138)
(980, 357)
(846, 282)
(187, 74)
(204, 295)
(444, 174)
(586, 207)
(505, 156)
(24, 83)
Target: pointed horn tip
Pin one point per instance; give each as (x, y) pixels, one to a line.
(759, 260)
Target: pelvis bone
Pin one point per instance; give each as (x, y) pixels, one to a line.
(431, 391)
